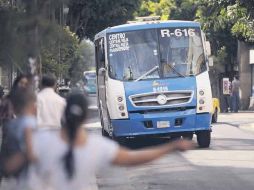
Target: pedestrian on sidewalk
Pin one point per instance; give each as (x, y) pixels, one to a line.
(1, 93)
(235, 94)
(17, 151)
(6, 107)
(6, 111)
(74, 156)
(226, 90)
(50, 104)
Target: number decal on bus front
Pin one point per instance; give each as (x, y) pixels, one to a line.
(178, 32)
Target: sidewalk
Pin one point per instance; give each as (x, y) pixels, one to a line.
(243, 120)
(247, 127)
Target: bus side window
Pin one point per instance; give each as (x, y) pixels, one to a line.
(100, 53)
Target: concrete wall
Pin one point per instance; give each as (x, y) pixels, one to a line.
(245, 74)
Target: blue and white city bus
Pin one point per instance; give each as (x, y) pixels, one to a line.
(152, 79)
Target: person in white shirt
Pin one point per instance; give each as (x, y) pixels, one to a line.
(50, 104)
(69, 159)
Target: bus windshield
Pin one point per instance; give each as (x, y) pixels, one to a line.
(155, 53)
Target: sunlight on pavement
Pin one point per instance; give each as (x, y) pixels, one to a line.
(93, 125)
(230, 158)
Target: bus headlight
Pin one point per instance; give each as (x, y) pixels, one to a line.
(202, 101)
(204, 93)
(201, 92)
(116, 100)
(121, 107)
(119, 98)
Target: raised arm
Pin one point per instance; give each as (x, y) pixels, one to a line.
(127, 157)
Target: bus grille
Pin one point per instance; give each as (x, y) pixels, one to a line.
(173, 98)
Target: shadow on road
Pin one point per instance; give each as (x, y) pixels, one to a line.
(232, 144)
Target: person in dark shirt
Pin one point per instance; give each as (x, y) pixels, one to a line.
(235, 94)
(6, 108)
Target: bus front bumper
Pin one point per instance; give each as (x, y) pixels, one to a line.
(164, 123)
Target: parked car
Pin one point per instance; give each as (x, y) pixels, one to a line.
(90, 82)
(216, 110)
(90, 86)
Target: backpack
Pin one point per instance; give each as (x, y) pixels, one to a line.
(9, 147)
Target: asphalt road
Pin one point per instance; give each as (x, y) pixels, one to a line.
(227, 165)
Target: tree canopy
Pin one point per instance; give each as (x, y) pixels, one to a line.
(37, 29)
(87, 17)
(45, 30)
(224, 21)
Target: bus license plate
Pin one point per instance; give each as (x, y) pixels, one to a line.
(163, 124)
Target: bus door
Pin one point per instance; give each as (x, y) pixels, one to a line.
(101, 78)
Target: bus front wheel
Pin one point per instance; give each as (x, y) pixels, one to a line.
(104, 132)
(204, 139)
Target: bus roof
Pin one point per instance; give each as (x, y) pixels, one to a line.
(147, 25)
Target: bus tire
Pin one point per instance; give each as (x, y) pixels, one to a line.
(215, 116)
(204, 139)
(104, 132)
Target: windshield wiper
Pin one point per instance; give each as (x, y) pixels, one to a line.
(147, 73)
(175, 70)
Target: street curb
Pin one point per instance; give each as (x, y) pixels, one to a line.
(247, 127)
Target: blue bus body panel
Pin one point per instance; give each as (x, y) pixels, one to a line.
(135, 126)
(138, 116)
(173, 84)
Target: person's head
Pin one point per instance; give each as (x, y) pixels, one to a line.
(23, 101)
(22, 81)
(236, 77)
(48, 81)
(74, 116)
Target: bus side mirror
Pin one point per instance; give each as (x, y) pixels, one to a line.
(210, 61)
(208, 48)
(102, 71)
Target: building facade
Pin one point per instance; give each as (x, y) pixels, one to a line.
(246, 74)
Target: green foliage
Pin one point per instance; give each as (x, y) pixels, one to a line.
(243, 19)
(184, 10)
(169, 9)
(155, 8)
(12, 37)
(87, 17)
(36, 28)
(244, 30)
(84, 60)
(29, 29)
(59, 55)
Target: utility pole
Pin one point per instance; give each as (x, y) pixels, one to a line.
(59, 44)
(34, 55)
